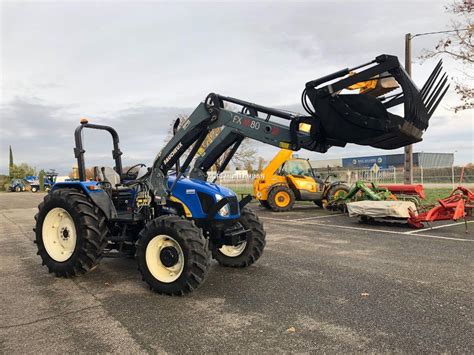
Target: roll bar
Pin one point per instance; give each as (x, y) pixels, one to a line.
(79, 149)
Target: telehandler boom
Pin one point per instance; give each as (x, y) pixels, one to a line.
(172, 223)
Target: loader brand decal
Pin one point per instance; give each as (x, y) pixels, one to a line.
(246, 122)
(173, 153)
(190, 191)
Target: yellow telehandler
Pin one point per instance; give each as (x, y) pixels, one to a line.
(287, 179)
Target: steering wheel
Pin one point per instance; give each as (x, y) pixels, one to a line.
(132, 167)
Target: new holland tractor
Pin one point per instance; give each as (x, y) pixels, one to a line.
(173, 224)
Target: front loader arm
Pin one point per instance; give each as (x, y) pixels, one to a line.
(335, 118)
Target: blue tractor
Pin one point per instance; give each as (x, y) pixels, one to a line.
(174, 224)
(17, 185)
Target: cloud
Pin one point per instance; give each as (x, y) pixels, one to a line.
(138, 65)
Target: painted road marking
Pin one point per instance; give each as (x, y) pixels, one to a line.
(371, 230)
(392, 232)
(437, 227)
(299, 219)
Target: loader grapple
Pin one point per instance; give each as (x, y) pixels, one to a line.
(364, 118)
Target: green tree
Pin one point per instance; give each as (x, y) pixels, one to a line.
(20, 171)
(10, 165)
(41, 180)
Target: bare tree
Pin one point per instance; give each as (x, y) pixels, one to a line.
(261, 164)
(246, 152)
(459, 45)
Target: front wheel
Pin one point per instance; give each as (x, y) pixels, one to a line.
(173, 255)
(34, 189)
(247, 252)
(281, 198)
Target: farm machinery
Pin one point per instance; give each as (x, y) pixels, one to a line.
(17, 185)
(459, 204)
(173, 223)
(371, 191)
(286, 180)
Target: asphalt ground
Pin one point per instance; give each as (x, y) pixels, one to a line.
(324, 284)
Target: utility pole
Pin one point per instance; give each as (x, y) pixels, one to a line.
(408, 166)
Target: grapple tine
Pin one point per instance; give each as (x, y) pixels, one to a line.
(429, 88)
(434, 74)
(430, 113)
(436, 92)
(433, 91)
(365, 119)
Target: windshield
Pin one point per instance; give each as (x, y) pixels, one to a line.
(297, 167)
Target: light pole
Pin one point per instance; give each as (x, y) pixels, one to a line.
(452, 169)
(408, 166)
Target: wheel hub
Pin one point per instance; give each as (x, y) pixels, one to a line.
(64, 233)
(169, 256)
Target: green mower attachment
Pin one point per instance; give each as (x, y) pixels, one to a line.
(364, 118)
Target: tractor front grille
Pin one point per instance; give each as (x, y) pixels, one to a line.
(234, 204)
(207, 201)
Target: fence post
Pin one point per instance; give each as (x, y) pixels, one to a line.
(421, 173)
(452, 174)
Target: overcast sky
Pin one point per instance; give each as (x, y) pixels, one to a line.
(137, 65)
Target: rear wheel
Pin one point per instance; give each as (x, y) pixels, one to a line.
(173, 256)
(18, 189)
(281, 199)
(247, 252)
(71, 233)
(34, 189)
(337, 192)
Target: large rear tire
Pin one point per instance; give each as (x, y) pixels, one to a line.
(71, 233)
(281, 199)
(173, 255)
(248, 252)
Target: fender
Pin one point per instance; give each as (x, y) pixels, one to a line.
(92, 189)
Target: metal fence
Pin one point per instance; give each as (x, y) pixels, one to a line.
(439, 177)
(434, 176)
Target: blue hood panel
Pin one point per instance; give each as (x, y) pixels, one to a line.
(186, 190)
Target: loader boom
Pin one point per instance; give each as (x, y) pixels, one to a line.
(334, 120)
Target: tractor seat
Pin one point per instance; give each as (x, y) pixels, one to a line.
(108, 175)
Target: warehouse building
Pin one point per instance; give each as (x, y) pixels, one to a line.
(421, 159)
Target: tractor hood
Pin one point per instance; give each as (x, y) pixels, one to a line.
(198, 196)
(199, 185)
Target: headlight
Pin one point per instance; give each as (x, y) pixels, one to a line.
(224, 211)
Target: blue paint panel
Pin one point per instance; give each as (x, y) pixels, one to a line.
(365, 162)
(81, 185)
(187, 190)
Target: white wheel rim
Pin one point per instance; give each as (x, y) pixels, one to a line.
(233, 251)
(160, 271)
(59, 234)
(33, 189)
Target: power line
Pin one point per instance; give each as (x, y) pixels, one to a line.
(437, 32)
